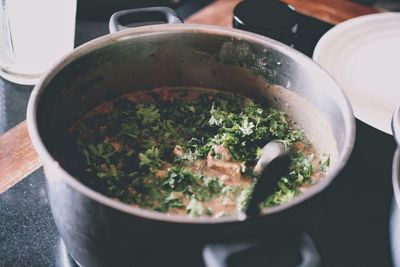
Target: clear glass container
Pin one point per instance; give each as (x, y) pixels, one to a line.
(33, 36)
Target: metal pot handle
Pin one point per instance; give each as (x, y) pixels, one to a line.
(224, 255)
(131, 18)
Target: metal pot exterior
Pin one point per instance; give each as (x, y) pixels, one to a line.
(396, 157)
(395, 219)
(396, 176)
(99, 231)
(99, 235)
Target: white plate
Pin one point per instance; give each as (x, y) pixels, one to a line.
(363, 55)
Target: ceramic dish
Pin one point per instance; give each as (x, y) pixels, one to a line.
(363, 55)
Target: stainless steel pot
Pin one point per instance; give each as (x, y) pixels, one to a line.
(396, 158)
(99, 231)
(395, 226)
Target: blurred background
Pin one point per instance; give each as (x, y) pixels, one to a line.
(104, 8)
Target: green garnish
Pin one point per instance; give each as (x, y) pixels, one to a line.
(144, 153)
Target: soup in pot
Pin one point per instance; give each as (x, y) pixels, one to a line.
(188, 151)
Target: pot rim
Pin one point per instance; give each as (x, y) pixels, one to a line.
(133, 33)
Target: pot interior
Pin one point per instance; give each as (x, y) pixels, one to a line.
(183, 55)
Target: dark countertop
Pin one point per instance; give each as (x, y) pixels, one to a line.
(351, 224)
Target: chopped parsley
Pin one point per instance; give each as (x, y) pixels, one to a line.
(146, 153)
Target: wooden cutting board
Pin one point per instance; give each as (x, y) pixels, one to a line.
(17, 156)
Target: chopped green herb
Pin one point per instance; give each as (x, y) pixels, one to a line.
(156, 154)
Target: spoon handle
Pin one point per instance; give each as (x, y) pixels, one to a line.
(267, 182)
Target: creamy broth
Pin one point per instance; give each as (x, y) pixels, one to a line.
(187, 151)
